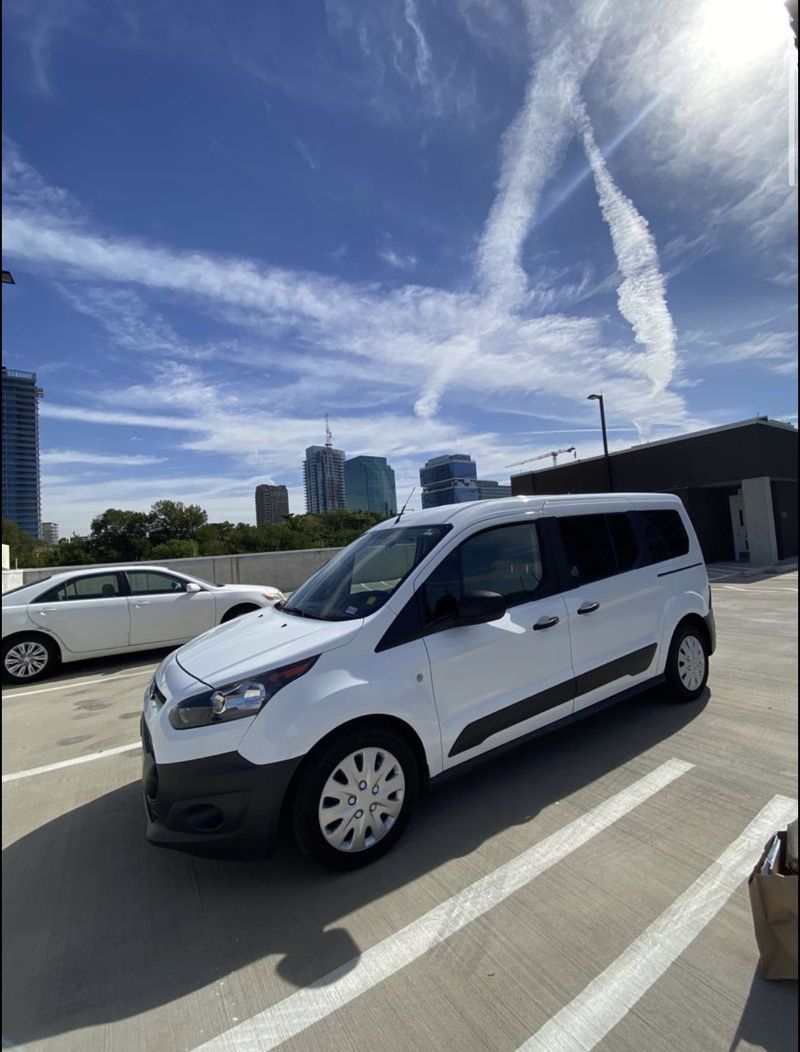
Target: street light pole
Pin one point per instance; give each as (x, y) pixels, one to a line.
(599, 398)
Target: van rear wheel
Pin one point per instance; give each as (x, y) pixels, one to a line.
(687, 664)
(354, 798)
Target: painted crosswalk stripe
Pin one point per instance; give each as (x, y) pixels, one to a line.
(301, 1010)
(587, 1019)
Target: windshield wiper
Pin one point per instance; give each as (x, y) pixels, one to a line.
(300, 613)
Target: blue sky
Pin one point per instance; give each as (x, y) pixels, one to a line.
(444, 224)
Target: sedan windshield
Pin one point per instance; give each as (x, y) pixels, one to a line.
(359, 580)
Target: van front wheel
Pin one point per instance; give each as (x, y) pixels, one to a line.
(354, 798)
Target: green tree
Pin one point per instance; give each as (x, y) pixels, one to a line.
(118, 536)
(175, 549)
(215, 538)
(26, 550)
(69, 551)
(174, 520)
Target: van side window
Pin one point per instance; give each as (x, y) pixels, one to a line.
(588, 548)
(623, 538)
(442, 592)
(665, 536)
(506, 560)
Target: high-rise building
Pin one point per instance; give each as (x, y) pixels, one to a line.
(272, 504)
(20, 448)
(369, 486)
(489, 490)
(453, 479)
(50, 532)
(449, 479)
(323, 474)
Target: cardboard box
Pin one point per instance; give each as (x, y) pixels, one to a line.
(773, 901)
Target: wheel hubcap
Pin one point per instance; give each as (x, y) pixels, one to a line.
(691, 662)
(26, 659)
(361, 800)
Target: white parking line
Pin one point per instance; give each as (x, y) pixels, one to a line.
(83, 682)
(586, 1020)
(301, 1010)
(16, 775)
(758, 591)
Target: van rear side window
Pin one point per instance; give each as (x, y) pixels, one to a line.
(664, 535)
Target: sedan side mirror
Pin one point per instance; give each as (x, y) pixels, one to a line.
(192, 587)
(475, 608)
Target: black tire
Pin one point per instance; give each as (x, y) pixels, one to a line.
(52, 662)
(682, 685)
(312, 779)
(237, 611)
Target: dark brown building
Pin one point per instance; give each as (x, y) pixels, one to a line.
(738, 483)
(272, 504)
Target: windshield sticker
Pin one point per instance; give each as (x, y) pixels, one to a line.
(351, 610)
(371, 600)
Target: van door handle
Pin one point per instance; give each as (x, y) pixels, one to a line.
(588, 608)
(141, 604)
(545, 622)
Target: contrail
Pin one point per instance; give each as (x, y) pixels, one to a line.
(642, 293)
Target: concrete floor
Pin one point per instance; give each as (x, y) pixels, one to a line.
(111, 944)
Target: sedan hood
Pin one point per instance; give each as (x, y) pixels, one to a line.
(248, 587)
(259, 641)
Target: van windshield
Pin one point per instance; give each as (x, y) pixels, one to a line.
(359, 580)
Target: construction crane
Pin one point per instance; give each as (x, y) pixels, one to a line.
(554, 453)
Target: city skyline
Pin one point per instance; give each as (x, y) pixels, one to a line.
(445, 224)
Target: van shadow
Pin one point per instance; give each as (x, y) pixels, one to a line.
(98, 926)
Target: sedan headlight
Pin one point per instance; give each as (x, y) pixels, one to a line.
(244, 698)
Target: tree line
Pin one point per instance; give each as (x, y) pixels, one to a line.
(173, 530)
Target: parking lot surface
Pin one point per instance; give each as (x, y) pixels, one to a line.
(586, 890)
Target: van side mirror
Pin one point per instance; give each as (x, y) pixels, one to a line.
(192, 587)
(475, 608)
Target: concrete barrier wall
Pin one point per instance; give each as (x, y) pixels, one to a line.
(284, 570)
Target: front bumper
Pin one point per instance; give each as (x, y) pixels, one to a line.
(219, 806)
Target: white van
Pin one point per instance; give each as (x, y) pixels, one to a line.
(436, 638)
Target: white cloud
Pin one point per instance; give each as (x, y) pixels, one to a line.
(533, 147)
(775, 352)
(77, 456)
(397, 258)
(304, 150)
(725, 70)
(642, 291)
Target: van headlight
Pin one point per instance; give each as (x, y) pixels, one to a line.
(244, 698)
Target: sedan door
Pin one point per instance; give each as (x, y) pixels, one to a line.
(163, 611)
(87, 614)
(494, 682)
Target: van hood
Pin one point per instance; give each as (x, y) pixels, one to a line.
(258, 642)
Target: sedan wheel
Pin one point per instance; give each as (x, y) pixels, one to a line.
(26, 660)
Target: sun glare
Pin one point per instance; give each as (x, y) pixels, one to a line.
(737, 32)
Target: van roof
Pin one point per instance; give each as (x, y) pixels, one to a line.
(474, 510)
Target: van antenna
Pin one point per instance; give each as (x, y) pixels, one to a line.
(408, 498)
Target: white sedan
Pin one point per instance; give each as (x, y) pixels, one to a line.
(93, 612)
